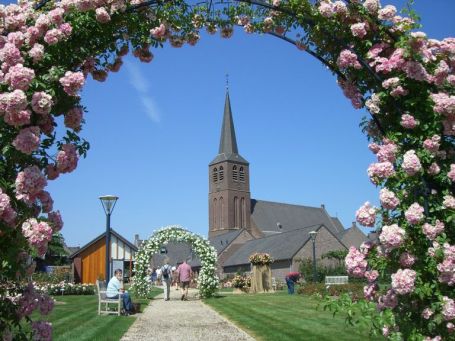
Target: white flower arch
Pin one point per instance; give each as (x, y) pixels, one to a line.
(207, 280)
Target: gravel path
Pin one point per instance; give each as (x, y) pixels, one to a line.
(184, 321)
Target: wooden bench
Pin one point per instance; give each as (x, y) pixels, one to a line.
(104, 301)
(336, 280)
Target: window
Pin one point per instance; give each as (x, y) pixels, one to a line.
(234, 173)
(236, 212)
(241, 175)
(221, 173)
(220, 215)
(214, 213)
(215, 175)
(243, 213)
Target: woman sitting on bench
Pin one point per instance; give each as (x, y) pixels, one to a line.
(114, 289)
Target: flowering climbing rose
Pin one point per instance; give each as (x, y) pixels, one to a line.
(414, 214)
(392, 236)
(366, 215)
(411, 163)
(403, 281)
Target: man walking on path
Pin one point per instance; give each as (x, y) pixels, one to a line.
(166, 278)
(184, 271)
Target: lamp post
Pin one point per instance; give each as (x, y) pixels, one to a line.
(313, 239)
(108, 203)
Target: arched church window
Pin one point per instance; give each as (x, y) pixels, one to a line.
(215, 175)
(214, 211)
(236, 212)
(241, 175)
(235, 174)
(221, 173)
(242, 213)
(220, 213)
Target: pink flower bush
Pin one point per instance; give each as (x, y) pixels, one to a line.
(102, 15)
(449, 202)
(72, 82)
(379, 171)
(387, 152)
(7, 213)
(56, 221)
(427, 313)
(36, 52)
(389, 300)
(392, 236)
(403, 281)
(388, 199)
(366, 215)
(67, 159)
(28, 140)
(387, 13)
(158, 32)
(451, 174)
(411, 163)
(434, 169)
(414, 214)
(432, 144)
(448, 309)
(371, 276)
(359, 30)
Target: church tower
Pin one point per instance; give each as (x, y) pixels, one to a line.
(229, 182)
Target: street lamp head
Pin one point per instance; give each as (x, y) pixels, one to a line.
(313, 235)
(108, 202)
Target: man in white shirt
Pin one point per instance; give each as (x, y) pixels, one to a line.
(114, 289)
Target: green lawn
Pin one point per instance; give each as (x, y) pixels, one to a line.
(76, 318)
(279, 316)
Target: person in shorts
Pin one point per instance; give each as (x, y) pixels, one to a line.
(184, 274)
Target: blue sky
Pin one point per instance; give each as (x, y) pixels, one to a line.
(155, 127)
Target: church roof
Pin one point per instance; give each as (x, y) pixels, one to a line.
(280, 246)
(274, 217)
(228, 150)
(221, 241)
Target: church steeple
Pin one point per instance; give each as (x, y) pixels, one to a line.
(228, 150)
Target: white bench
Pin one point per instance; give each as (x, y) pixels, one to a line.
(336, 280)
(104, 301)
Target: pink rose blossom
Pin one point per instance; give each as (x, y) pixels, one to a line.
(451, 173)
(371, 276)
(387, 13)
(73, 118)
(28, 140)
(36, 52)
(37, 233)
(375, 148)
(66, 29)
(411, 163)
(52, 172)
(13, 101)
(29, 183)
(407, 259)
(11, 55)
(387, 152)
(350, 91)
(427, 313)
(55, 220)
(449, 202)
(380, 171)
(433, 231)
(56, 16)
(46, 124)
(42, 103)
(415, 70)
(369, 291)
(53, 36)
(18, 118)
(359, 30)
(372, 6)
(326, 9)
(408, 121)
(389, 300)
(432, 144)
(414, 214)
(340, 8)
(403, 281)
(434, 169)
(348, 59)
(392, 236)
(356, 264)
(366, 215)
(7, 213)
(388, 199)
(102, 15)
(448, 309)
(72, 82)
(19, 77)
(158, 32)
(450, 327)
(67, 158)
(447, 271)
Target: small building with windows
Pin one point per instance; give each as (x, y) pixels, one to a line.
(240, 226)
(89, 262)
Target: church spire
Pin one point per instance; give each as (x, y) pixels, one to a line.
(228, 142)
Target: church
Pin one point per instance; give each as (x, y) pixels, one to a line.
(240, 226)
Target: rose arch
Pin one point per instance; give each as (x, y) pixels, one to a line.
(207, 279)
(401, 77)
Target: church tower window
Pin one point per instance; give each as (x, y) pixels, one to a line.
(214, 213)
(221, 173)
(234, 173)
(241, 175)
(221, 205)
(236, 212)
(215, 175)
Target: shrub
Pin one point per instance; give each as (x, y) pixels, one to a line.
(355, 290)
(65, 288)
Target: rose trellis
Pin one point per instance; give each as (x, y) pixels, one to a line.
(401, 77)
(207, 280)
